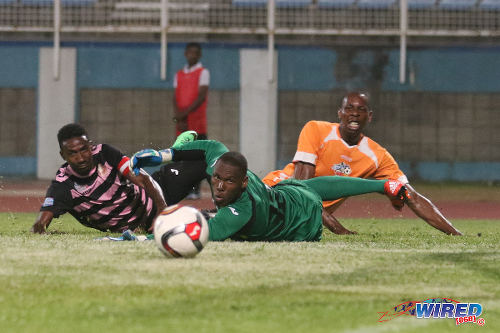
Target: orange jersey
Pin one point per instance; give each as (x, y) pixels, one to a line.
(320, 144)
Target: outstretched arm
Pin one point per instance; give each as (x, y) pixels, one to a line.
(334, 225)
(209, 150)
(154, 192)
(428, 212)
(42, 222)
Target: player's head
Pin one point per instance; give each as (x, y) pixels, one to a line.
(192, 53)
(354, 114)
(229, 178)
(76, 148)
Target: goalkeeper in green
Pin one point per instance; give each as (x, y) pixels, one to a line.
(249, 210)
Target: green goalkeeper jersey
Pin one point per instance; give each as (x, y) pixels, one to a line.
(289, 211)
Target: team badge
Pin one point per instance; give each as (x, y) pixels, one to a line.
(48, 202)
(342, 169)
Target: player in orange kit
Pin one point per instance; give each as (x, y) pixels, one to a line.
(341, 149)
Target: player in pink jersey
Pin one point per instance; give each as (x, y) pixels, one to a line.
(97, 189)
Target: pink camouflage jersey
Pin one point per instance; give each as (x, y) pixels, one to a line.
(104, 199)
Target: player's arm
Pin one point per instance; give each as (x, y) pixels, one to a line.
(304, 170)
(178, 117)
(42, 222)
(209, 150)
(202, 96)
(227, 222)
(427, 211)
(419, 204)
(144, 180)
(332, 224)
(58, 201)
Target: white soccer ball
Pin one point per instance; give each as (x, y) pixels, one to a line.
(180, 231)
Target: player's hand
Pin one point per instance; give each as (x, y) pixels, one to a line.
(149, 157)
(180, 116)
(38, 228)
(184, 137)
(334, 225)
(182, 125)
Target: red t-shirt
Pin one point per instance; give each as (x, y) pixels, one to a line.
(186, 93)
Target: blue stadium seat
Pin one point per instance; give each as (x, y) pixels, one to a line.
(421, 4)
(6, 2)
(335, 3)
(249, 3)
(490, 4)
(376, 4)
(279, 3)
(457, 4)
(293, 3)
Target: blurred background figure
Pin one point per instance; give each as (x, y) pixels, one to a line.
(190, 98)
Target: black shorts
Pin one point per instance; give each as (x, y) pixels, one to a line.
(177, 179)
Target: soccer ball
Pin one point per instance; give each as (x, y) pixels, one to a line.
(180, 231)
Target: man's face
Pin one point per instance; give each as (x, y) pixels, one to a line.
(77, 152)
(228, 183)
(354, 114)
(193, 55)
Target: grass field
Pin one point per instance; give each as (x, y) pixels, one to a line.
(69, 282)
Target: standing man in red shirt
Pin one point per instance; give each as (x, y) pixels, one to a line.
(190, 98)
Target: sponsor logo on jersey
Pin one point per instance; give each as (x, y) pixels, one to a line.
(48, 202)
(83, 189)
(80, 188)
(174, 171)
(342, 169)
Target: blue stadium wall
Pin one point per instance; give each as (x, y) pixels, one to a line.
(137, 65)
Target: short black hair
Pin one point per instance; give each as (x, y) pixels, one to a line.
(194, 45)
(70, 131)
(235, 159)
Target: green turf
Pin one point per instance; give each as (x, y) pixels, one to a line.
(68, 282)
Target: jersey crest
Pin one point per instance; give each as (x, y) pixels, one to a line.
(342, 169)
(48, 202)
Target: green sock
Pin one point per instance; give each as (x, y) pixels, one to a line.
(336, 187)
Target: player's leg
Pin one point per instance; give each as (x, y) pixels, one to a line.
(178, 178)
(335, 187)
(195, 194)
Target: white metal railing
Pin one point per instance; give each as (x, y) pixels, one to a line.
(402, 18)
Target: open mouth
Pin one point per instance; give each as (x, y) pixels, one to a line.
(353, 125)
